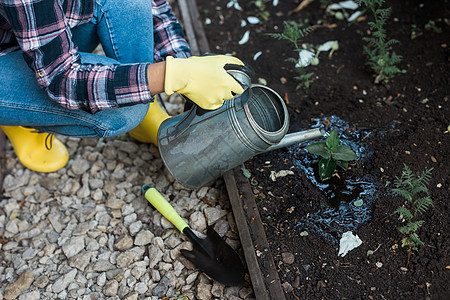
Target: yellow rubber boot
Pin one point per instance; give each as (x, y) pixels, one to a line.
(147, 130)
(30, 147)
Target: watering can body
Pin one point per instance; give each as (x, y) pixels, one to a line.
(198, 148)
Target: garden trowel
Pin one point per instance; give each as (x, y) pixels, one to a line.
(212, 255)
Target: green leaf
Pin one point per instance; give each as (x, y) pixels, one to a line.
(326, 168)
(412, 226)
(404, 212)
(415, 239)
(404, 229)
(344, 153)
(319, 149)
(420, 223)
(342, 164)
(405, 194)
(406, 241)
(423, 204)
(332, 140)
(418, 189)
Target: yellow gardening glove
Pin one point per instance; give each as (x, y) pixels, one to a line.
(202, 79)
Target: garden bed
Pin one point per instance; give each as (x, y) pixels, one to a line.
(404, 121)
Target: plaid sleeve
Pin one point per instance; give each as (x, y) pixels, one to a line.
(42, 30)
(169, 37)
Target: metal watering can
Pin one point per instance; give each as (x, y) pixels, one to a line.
(199, 146)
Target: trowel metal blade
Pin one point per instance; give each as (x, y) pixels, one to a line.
(216, 258)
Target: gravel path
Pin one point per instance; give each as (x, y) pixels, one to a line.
(87, 232)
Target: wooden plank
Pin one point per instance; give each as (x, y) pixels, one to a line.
(188, 27)
(256, 276)
(197, 23)
(258, 235)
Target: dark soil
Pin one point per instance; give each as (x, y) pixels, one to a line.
(404, 122)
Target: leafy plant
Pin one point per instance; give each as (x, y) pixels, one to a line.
(415, 32)
(293, 32)
(333, 154)
(303, 78)
(261, 5)
(411, 188)
(431, 25)
(381, 60)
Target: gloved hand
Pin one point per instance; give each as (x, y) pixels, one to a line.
(202, 79)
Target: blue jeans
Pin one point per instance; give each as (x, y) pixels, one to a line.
(124, 30)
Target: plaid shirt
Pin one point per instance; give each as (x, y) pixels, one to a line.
(41, 29)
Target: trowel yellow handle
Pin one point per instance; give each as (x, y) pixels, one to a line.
(164, 207)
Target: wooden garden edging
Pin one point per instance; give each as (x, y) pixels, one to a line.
(193, 27)
(261, 267)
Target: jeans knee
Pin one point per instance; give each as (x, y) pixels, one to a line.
(123, 120)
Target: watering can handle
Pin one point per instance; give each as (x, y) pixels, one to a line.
(246, 68)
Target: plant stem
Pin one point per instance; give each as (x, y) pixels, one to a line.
(409, 257)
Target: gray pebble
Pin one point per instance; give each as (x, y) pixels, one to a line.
(288, 258)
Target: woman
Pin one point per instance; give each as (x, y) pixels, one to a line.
(51, 83)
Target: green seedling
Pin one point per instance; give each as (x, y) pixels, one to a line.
(261, 6)
(304, 78)
(378, 49)
(293, 32)
(328, 46)
(415, 191)
(431, 25)
(415, 32)
(333, 154)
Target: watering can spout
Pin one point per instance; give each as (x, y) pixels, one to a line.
(298, 137)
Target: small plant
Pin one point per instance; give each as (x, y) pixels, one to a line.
(411, 188)
(261, 5)
(333, 154)
(382, 62)
(431, 25)
(293, 32)
(415, 32)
